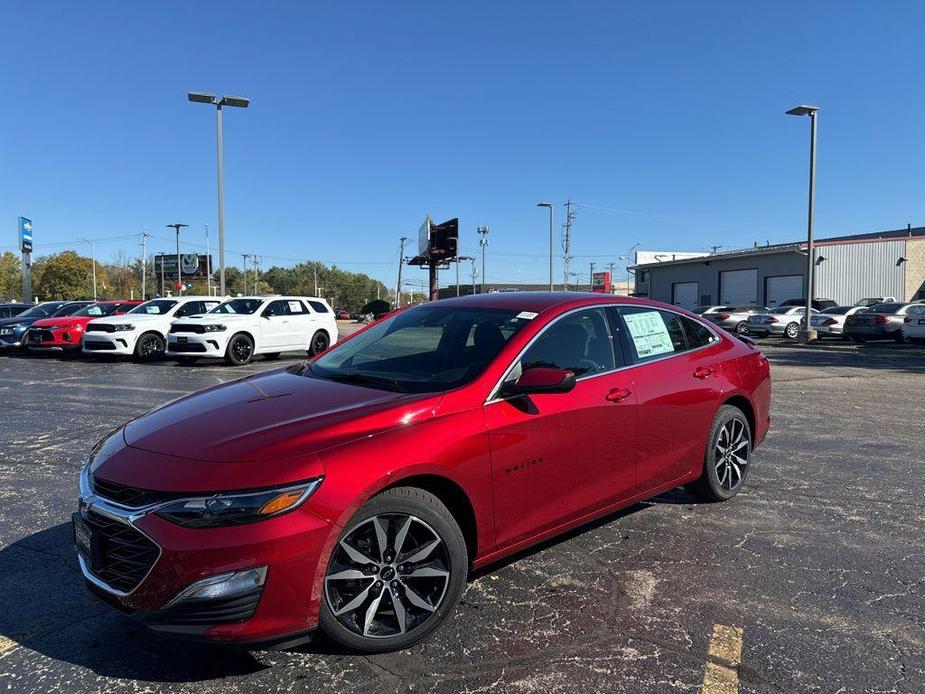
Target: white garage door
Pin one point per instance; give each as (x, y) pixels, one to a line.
(785, 287)
(684, 294)
(738, 287)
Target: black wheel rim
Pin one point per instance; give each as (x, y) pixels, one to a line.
(241, 349)
(150, 346)
(388, 575)
(730, 454)
(320, 343)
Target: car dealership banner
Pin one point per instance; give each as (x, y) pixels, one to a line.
(192, 265)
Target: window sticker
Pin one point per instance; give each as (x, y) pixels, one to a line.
(650, 336)
(151, 309)
(527, 315)
(295, 307)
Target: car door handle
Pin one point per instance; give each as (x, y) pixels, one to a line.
(618, 394)
(702, 372)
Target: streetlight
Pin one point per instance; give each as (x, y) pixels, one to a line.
(92, 243)
(177, 226)
(549, 205)
(483, 242)
(237, 102)
(808, 333)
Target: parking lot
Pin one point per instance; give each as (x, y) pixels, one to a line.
(809, 581)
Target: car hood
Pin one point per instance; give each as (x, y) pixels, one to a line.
(62, 322)
(126, 318)
(273, 416)
(219, 318)
(18, 321)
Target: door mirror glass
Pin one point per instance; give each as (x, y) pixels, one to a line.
(540, 379)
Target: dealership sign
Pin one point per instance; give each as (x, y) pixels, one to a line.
(600, 282)
(25, 235)
(192, 265)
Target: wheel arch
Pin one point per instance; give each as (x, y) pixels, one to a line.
(744, 404)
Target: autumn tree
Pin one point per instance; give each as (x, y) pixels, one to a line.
(66, 275)
(10, 276)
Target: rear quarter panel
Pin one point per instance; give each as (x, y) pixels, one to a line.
(748, 374)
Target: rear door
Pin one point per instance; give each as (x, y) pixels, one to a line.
(738, 287)
(302, 323)
(678, 386)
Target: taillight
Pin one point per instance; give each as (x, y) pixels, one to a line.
(769, 320)
(724, 316)
(881, 319)
(829, 321)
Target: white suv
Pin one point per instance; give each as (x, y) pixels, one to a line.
(248, 325)
(142, 332)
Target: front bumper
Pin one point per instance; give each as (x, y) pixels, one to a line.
(121, 343)
(196, 345)
(293, 547)
(872, 331)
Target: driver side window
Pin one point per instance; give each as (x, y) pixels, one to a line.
(580, 343)
(276, 308)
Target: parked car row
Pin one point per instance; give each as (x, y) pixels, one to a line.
(184, 328)
(871, 318)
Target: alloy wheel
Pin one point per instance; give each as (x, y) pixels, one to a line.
(793, 331)
(150, 346)
(241, 349)
(730, 454)
(319, 342)
(388, 575)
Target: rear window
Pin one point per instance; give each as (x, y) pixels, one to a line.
(698, 335)
(319, 307)
(653, 333)
(885, 308)
(838, 310)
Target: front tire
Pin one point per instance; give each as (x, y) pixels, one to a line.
(149, 347)
(726, 461)
(396, 573)
(240, 350)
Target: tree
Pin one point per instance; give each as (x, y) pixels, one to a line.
(347, 290)
(66, 275)
(10, 276)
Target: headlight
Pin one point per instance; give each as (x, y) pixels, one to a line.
(214, 328)
(237, 508)
(119, 327)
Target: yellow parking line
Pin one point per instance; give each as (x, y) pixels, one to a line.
(721, 676)
(6, 644)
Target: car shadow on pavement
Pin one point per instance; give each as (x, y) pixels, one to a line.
(45, 607)
(905, 359)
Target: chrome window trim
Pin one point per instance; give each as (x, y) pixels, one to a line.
(495, 396)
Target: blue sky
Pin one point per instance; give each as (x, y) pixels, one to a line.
(664, 121)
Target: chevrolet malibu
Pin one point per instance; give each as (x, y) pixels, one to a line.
(354, 492)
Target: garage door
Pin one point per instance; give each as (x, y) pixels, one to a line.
(785, 287)
(738, 287)
(684, 294)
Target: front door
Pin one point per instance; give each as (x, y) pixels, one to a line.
(274, 326)
(555, 457)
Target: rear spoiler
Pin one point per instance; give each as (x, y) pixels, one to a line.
(750, 341)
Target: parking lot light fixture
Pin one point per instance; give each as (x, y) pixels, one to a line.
(809, 334)
(237, 102)
(177, 227)
(92, 244)
(551, 214)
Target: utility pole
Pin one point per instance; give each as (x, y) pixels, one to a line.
(483, 242)
(244, 257)
(256, 261)
(461, 259)
(610, 267)
(591, 279)
(144, 263)
(401, 260)
(315, 270)
(177, 227)
(163, 288)
(92, 243)
(475, 273)
(208, 264)
(567, 241)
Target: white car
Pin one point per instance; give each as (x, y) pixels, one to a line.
(784, 320)
(831, 322)
(244, 326)
(142, 332)
(914, 323)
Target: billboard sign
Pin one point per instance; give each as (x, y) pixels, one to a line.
(600, 282)
(192, 265)
(424, 237)
(25, 235)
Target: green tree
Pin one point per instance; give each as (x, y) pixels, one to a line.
(10, 276)
(66, 275)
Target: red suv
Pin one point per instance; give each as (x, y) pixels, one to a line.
(355, 492)
(66, 333)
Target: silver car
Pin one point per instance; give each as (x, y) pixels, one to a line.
(734, 318)
(785, 320)
(831, 322)
(880, 322)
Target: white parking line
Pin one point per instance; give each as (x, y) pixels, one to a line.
(721, 676)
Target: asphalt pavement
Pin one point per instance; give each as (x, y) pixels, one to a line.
(811, 580)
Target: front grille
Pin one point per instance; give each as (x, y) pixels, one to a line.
(134, 497)
(125, 555)
(187, 328)
(91, 345)
(101, 328)
(44, 335)
(199, 611)
(187, 347)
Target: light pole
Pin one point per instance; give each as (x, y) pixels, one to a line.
(244, 257)
(177, 226)
(238, 102)
(483, 242)
(401, 260)
(807, 332)
(208, 264)
(629, 259)
(460, 259)
(92, 260)
(475, 272)
(551, 213)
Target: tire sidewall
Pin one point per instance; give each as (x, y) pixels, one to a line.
(229, 355)
(710, 479)
(416, 502)
(790, 328)
(151, 357)
(311, 344)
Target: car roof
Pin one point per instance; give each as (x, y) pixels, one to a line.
(542, 301)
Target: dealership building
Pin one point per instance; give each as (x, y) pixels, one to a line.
(847, 268)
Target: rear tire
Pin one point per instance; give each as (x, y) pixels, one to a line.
(726, 460)
(150, 347)
(240, 350)
(382, 605)
(792, 330)
(742, 328)
(320, 342)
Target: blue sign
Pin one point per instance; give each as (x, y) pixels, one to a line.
(25, 235)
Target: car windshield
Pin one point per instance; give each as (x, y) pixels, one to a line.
(157, 307)
(885, 308)
(97, 310)
(421, 350)
(838, 310)
(39, 311)
(68, 310)
(867, 302)
(241, 306)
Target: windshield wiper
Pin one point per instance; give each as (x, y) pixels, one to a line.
(362, 380)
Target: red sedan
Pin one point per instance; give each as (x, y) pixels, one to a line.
(355, 492)
(65, 334)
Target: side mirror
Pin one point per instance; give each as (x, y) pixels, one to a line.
(540, 379)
